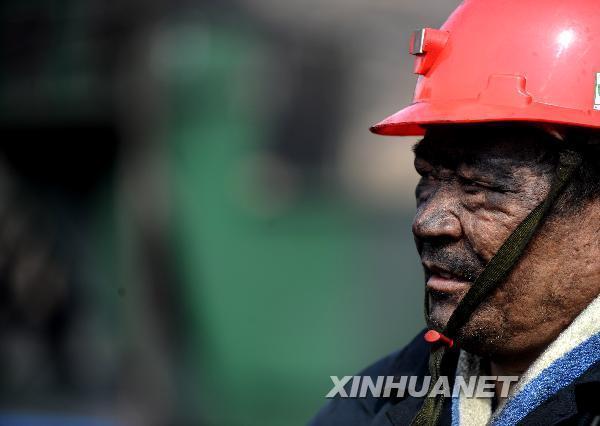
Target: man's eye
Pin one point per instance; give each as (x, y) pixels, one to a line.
(423, 173)
(428, 176)
(472, 186)
(423, 189)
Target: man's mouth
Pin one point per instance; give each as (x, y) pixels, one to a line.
(442, 281)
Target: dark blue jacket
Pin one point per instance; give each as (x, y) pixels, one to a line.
(576, 404)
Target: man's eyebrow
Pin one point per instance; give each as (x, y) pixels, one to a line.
(501, 172)
(415, 147)
(425, 149)
(419, 148)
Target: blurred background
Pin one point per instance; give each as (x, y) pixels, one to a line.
(196, 227)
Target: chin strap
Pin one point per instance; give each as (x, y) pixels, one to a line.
(494, 273)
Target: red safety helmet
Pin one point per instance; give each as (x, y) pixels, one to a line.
(506, 60)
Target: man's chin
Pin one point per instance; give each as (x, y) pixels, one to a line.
(439, 314)
(481, 335)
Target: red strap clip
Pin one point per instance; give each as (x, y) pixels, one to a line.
(433, 336)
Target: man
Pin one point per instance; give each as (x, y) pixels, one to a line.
(507, 222)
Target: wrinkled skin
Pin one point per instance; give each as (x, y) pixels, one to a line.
(477, 185)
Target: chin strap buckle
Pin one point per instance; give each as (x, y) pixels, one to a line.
(433, 336)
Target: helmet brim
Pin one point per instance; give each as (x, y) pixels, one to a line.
(413, 120)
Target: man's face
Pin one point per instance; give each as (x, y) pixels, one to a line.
(477, 184)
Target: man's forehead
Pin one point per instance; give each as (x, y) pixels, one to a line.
(454, 144)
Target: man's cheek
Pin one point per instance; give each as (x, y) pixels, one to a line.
(486, 232)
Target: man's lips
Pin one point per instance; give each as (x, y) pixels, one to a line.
(442, 281)
(447, 284)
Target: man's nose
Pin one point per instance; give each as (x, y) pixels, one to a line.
(436, 218)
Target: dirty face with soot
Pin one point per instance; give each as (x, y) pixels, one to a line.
(477, 184)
